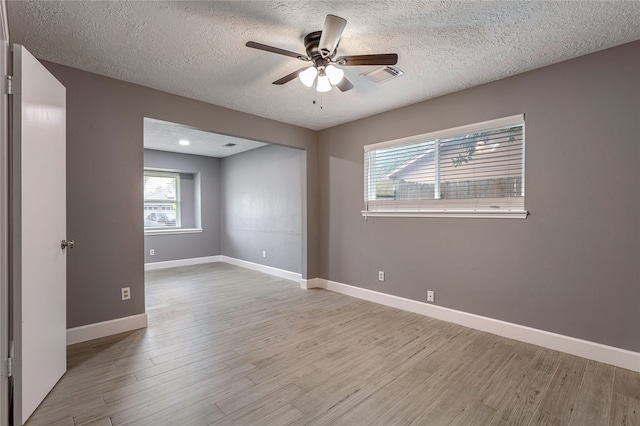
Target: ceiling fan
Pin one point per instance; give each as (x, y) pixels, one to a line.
(321, 47)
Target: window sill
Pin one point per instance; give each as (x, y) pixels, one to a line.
(519, 214)
(172, 231)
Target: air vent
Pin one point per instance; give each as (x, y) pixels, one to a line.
(229, 144)
(382, 74)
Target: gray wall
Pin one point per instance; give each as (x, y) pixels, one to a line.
(572, 267)
(185, 246)
(262, 206)
(189, 185)
(105, 159)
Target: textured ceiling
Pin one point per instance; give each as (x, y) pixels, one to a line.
(196, 49)
(165, 136)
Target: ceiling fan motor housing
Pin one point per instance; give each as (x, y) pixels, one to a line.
(311, 42)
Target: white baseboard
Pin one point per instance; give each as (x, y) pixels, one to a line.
(180, 262)
(307, 284)
(583, 348)
(281, 273)
(106, 328)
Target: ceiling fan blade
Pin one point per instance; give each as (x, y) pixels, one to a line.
(287, 78)
(277, 50)
(344, 85)
(331, 33)
(356, 60)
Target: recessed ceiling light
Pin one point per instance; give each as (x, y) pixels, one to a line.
(229, 144)
(183, 142)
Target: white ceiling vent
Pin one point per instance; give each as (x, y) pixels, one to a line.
(381, 74)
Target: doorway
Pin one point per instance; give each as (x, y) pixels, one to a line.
(227, 199)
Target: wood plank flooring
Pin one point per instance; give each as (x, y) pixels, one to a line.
(229, 346)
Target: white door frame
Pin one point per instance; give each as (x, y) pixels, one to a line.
(4, 216)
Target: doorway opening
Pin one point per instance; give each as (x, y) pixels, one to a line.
(212, 197)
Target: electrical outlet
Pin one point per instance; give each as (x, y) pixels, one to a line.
(431, 296)
(264, 253)
(152, 252)
(380, 275)
(125, 292)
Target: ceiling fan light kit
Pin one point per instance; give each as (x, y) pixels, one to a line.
(335, 74)
(323, 84)
(308, 76)
(327, 77)
(321, 47)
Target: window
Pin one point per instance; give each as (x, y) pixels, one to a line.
(468, 171)
(161, 200)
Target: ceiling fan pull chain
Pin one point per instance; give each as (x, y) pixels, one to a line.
(314, 101)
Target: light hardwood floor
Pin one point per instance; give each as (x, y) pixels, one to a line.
(229, 346)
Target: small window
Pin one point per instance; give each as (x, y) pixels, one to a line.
(467, 171)
(161, 200)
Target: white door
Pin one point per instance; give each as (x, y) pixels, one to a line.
(39, 276)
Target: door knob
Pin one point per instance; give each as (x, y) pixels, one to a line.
(66, 244)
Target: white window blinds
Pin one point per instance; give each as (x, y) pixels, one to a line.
(161, 199)
(465, 171)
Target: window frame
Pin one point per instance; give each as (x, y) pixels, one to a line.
(167, 174)
(502, 207)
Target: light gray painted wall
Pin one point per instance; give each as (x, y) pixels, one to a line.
(572, 267)
(262, 206)
(188, 187)
(105, 159)
(185, 246)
